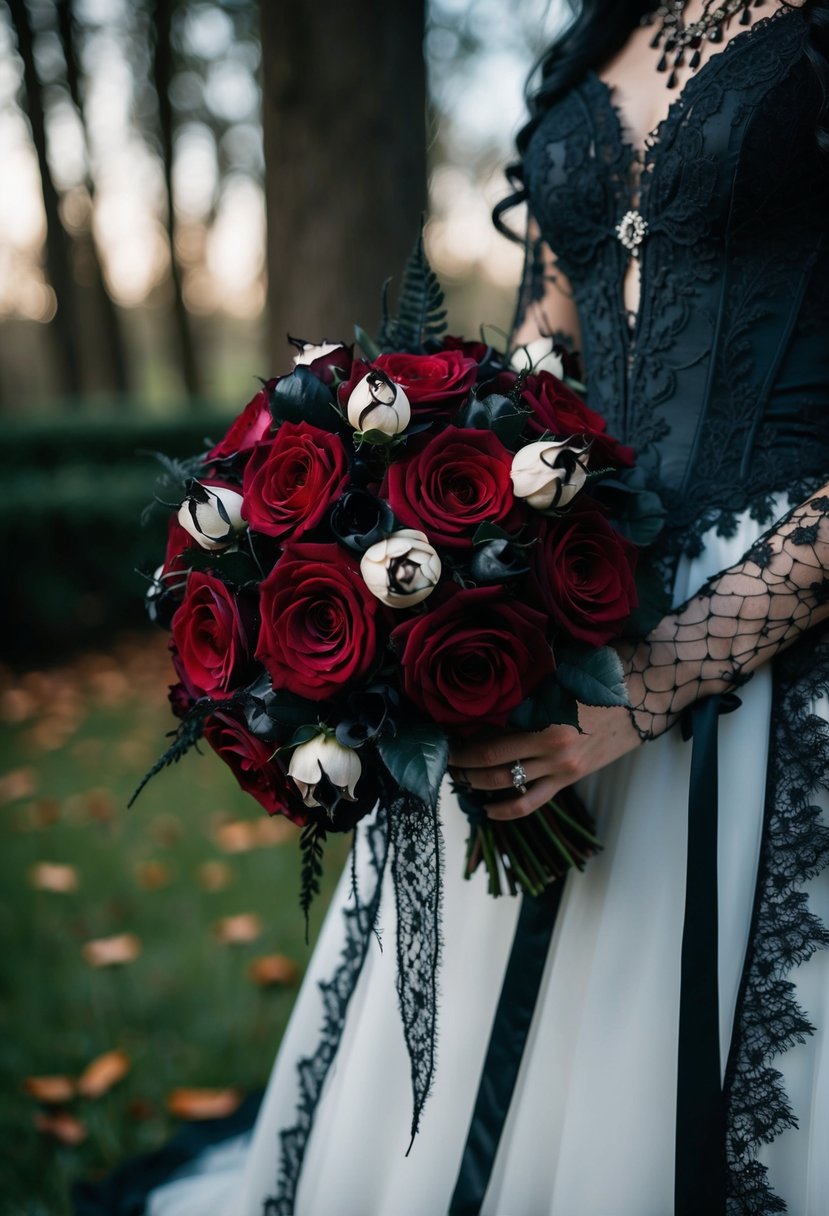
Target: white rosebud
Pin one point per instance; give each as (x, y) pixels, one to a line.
(212, 515)
(378, 404)
(321, 757)
(401, 570)
(550, 472)
(307, 352)
(538, 356)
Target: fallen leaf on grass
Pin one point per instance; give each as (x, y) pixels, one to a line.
(51, 876)
(236, 930)
(42, 813)
(110, 951)
(61, 1126)
(102, 1073)
(215, 875)
(50, 1090)
(17, 783)
(203, 1103)
(241, 835)
(152, 875)
(166, 829)
(271, 969)
(100, 804)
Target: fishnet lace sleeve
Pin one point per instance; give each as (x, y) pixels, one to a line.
(545, 305)
(736, 621)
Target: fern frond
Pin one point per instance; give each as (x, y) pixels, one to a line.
(311, 846)
(421, 312)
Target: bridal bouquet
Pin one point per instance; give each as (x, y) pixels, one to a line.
(385, 551)
(389, 550)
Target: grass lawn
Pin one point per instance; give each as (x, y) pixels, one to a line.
(77, 866)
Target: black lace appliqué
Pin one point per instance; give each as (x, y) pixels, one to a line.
(359, 921)
(784, 931)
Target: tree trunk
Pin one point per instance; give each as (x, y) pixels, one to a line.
(110, 352)
(162, 11)
(345, 154)
(65, 325)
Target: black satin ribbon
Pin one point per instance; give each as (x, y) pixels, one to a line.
(507, 1041)
(700, 1174)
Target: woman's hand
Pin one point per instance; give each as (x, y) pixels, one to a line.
(552, 758)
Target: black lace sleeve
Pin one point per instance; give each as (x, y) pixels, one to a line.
(739, 619)
(544, 294)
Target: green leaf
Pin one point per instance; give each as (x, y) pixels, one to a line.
(369, 347)
(548, 705)
(420, 308)
(594, 677)
(487, 532)
(304, 734)
(654, 603)
(417, 756)
(234, 566)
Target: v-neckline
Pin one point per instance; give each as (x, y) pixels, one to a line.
(642, 156)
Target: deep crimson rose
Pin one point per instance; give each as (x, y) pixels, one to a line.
(475, 658)
(291, 481)
(211, 630)
(250, 760)
(457, 481)
(473, 350)
(336, 363)
(435, 384)
(585, 571)
(319, 621)
(557, 409)
(253, 424)
(179, 541)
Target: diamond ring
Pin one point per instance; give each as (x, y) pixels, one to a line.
(519, 777)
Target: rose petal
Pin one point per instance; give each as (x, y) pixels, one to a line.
(50, 1089)
(273, 969)
(203, 1103)
(50, 876)
(102, 1073)
(111, 951)
(61, 1126)
(236, 930)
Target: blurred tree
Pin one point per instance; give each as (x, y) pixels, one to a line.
(66, 323)
(344, 99)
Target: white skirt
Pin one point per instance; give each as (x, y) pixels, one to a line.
(590, 1130)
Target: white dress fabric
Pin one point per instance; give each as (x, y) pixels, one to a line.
(590, 1131)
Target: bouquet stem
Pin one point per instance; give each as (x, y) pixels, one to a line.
(529, 854)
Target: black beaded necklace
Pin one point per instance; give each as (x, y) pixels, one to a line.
(679, 37)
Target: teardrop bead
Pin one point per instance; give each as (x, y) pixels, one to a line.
(657, 38)
(672, 80)
(662, 66)
(694, 61)
(680, 57)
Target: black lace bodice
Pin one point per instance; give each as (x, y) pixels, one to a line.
(724, 378)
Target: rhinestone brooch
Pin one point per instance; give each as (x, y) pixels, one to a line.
(632, 230)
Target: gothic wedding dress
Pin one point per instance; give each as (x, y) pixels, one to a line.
(723, 385)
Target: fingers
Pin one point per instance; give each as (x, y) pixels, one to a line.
(499, 777)
(537, 794)
(499, 751)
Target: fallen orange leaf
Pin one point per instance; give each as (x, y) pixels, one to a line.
(50, 1089)
(61, 1126)
(236, 930)
(203, 1103)
(51, 876)
(110, 951)
(152, 875)
(102, 1073)
(273, 969)
(18, 783)
(215, 875)
(241, 835)
(100, 804)
(235, 837)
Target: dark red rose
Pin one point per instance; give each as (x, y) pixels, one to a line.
(473, 350)
(250, 760)
(457, 481)
(180, 700)
(557, 409)
(585, 571)
(475, 658)
(211, 631)
(435, 384)
(291, 481)
(335, 364)
(253, 424)
(319, 621)
(179, 541)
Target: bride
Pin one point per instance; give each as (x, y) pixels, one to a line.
(652, 1039)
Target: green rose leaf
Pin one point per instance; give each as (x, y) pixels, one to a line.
(594, 677)
(416, 756)
(549, 705)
